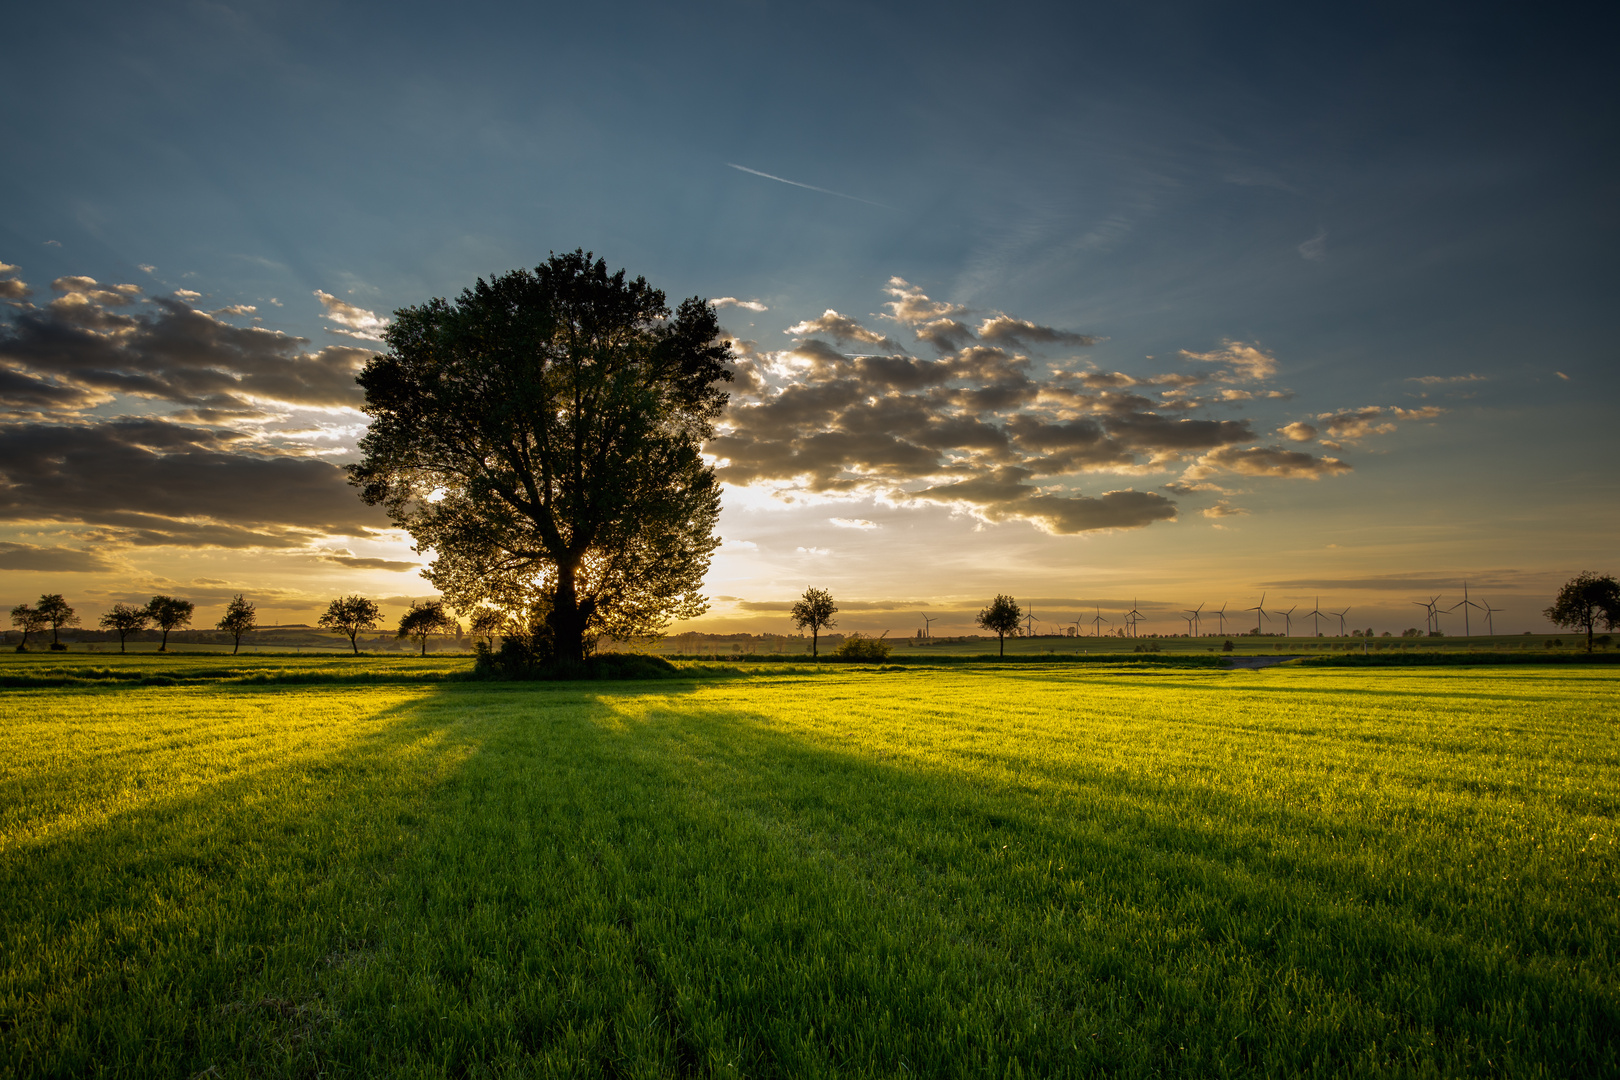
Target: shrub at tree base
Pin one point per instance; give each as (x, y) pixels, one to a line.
(516, 660)
(860, 647)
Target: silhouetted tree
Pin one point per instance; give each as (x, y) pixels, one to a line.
(30, 621)
(541, 435)
(126, 619)
(424, 619)
(170, 613)
(350, 615)
(814, 610)
(57, 614)
(1001, 618)
(487, 621)
(240, 618)
(1586, 600)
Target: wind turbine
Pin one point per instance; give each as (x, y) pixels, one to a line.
(1315, 615)
(1340, 616)
(1432, 621)
(1096, 623)
(1133, 617)
(1221, 615)
(1489, 626)
(1260, 614)
(928, 620)
(1288, 621)
(1193, 624)
(1465, 605)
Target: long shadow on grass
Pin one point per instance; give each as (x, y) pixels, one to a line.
(629, 883)
(184, 931)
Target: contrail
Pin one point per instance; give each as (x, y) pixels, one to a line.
(810, 187)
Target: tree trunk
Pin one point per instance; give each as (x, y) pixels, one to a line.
(567, 628)
(1001, 641)
(238, 646)
(813, 643)
(165, 646)
(352, 644)
(424, 645)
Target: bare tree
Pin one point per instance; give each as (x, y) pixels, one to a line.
(240, 618)
(350, 615)
(126, 619)
(1001, 618)
(815, 610)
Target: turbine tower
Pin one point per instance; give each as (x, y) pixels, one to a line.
(1194, 626)
(1340, 616)
(1465, 605)
(1432, 620)
(1221, 615)
(1132, 617)
(1490, 628)
(1096, 623)
(1288, 621)
(928, 621)
(1315, 615)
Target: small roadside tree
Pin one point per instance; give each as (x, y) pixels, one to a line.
(1586, 600)
(57, 614)
(1001, 618)
(170, 613)
(126, 619)
(240, 618)
(424, 619)
(29, 621)
(350, 615)
(814, 610)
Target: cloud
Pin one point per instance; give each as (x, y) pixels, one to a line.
(853, 523)
(1003, 495)
(1298, 431)
(357, 321)
(1223, 509)
(1427, 412)
(732, 301)
(1315, 249)
(1181, 487)
(60, 560)
(1356, 424)
(147, 268)
(83, 350)
(911, 306)
(1243, 362)
(1271, 461)
(1441, 380)
(357, 563)
(13, 288)
(814, 551)
(145, 482)
(234, 309)
(190, 296)
(842, 328)
(1006, 330)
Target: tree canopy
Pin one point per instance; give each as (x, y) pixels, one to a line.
(815, 609)
(1586, 600)
(540, 436)
(1001, 618)
(350, 615)
(54, 607)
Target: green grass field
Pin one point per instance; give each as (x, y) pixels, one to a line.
(956, 871)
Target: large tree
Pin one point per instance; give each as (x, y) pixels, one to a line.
(814, 609)
(540, 436)
(1586, 600)
(1001, 618)
(126, 619)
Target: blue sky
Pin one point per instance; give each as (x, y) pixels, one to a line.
(1366, 198)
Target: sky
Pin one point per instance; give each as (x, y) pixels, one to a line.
(1148, 305)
